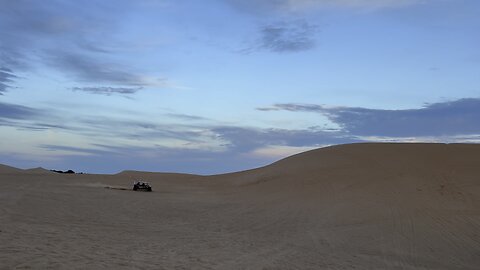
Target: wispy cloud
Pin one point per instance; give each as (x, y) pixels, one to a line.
(17, 112)
(31, 26)
(108, 90)
(293, 107)
(72, 38)
(363, 4)
(94, 126)
(89, 69)
(243, 139)
(72, 150)
(187, 117)
(288, 36)
(305, 5)
(33, 119)
(291, 36)
(6, 77)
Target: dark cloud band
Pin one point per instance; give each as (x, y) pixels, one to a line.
(460, 117)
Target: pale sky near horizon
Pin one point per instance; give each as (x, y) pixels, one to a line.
(222, 85)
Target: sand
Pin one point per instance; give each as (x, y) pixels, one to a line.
(359, 206)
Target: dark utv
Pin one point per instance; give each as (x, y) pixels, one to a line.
(141, 186)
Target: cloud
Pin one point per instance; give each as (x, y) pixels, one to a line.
(293, 107)
(242, 139)
(108, 90)
(193, 133)
(288, 37)
(37, 19)
(243, 148)
(27, 27)
(440, 119)
(11, 57)
(144, 131)
(72, 150)
(110, 144)
(187, 117)
(25, 118)
(32, 119)
(281, 151)
(362, 4)
(203, 147)
(87, 126)
(254, 6)
(459, 117)
(6, 77)
(89, 69)
(71, 37)
(17, 112)
(113, 159)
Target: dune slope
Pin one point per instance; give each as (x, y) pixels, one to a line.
(359, 206)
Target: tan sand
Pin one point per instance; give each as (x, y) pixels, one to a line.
(361, 206)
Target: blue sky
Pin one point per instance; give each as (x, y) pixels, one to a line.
(222, 85)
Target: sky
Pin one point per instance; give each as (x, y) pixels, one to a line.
(216, 86)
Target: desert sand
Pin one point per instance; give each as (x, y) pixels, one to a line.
(358, 206)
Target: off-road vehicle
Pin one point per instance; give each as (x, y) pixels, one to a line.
(141, 186)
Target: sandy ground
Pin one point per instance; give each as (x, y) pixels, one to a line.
(361, 206)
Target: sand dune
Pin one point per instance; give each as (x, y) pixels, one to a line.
(4, 169)
(38, 170)
(360, 206)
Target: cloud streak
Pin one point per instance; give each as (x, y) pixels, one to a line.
(17, 112)
(108, 91)
(88, 69)
(253, 6)
(6, 77)
(357, 4)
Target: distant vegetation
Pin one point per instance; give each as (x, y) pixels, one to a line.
(69, 171)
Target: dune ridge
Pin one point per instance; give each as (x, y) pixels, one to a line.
(357, 206)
